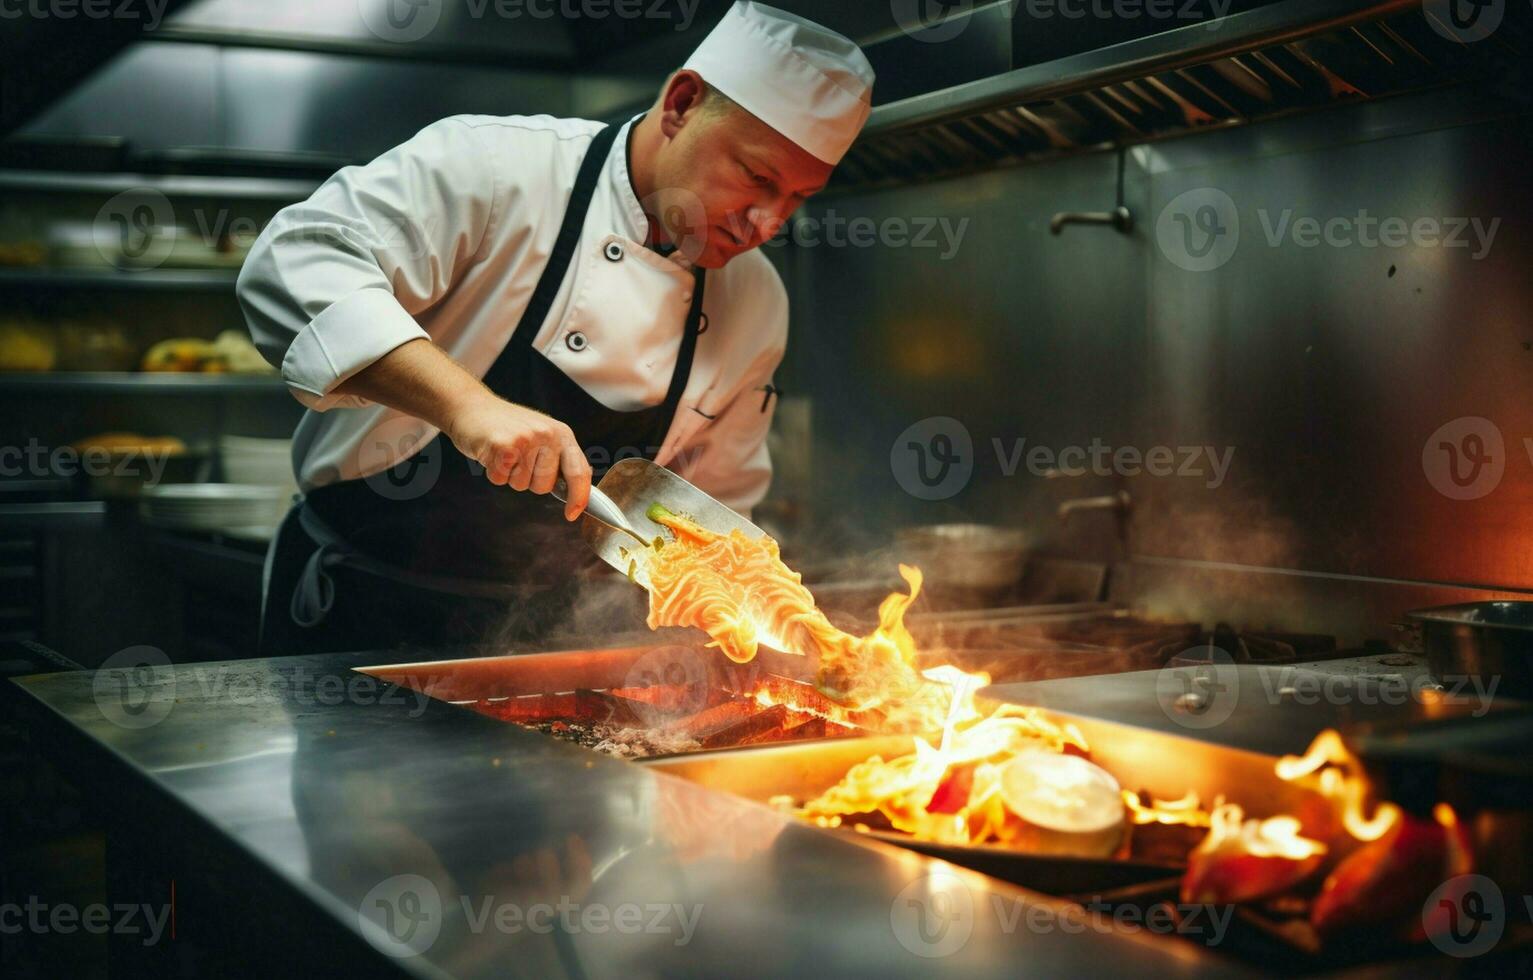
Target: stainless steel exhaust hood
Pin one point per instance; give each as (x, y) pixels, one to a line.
(1286, 57)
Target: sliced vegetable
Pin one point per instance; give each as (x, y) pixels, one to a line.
(952, 793)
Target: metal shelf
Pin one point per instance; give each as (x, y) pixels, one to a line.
(171, 185)
(145, 383)
(213, 280)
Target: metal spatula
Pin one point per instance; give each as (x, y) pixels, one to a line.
(619, 501)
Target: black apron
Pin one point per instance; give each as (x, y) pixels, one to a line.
(429, 552)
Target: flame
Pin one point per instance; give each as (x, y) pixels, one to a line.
(1338, 776)
(739, 591)
(1274, 837)
(1185, 812)
(903, 788)
(1444, 815)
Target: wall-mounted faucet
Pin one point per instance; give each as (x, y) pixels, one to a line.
(1118, 502)
(1119, 217)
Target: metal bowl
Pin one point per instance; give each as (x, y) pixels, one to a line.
(1491, 641)
(965, 556)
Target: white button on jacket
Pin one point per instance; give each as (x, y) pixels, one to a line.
(444, 237)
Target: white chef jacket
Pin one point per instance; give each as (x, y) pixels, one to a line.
(445, 237)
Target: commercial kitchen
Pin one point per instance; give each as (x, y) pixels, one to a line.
(712, 488)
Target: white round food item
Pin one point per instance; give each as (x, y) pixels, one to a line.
(1070, 806)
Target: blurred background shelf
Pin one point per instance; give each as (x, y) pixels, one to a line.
(215, 280)
(171, 185)
(145, 383)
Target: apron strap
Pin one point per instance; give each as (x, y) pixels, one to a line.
(564, 246)
(688, 343)
(314, 592)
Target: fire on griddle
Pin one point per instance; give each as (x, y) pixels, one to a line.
(667, 719)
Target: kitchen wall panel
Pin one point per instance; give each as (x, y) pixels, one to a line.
(967, 309)
(1328, 370)
(1332, 368)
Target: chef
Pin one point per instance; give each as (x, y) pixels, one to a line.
(503, 303)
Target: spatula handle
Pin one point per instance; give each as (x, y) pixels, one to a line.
(601, 507)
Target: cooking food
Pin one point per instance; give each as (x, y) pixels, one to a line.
(1067, 804)
(1014, 778)
(1000, 778)
(738, 591)
(1244, 860)
(1385, 883)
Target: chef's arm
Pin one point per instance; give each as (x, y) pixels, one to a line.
(518, 446)
(335, 282)
(332, 287)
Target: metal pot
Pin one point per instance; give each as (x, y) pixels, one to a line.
(1492, 641)
(969, 557)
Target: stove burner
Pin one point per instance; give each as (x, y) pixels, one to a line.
(1225, 644)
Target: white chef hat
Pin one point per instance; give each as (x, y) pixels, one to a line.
(810, 84)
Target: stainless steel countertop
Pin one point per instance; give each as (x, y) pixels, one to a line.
(409, 806)
(1274, 709)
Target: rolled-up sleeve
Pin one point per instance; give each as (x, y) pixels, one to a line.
(333, 283)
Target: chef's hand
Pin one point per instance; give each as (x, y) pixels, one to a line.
(523, 449)
(517, 446)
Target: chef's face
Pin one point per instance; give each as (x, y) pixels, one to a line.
(729, 172)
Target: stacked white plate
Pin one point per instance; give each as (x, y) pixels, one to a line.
(261, 462)
(264, 467)
(214, 506)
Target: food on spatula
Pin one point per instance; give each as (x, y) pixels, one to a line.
(738, 591)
